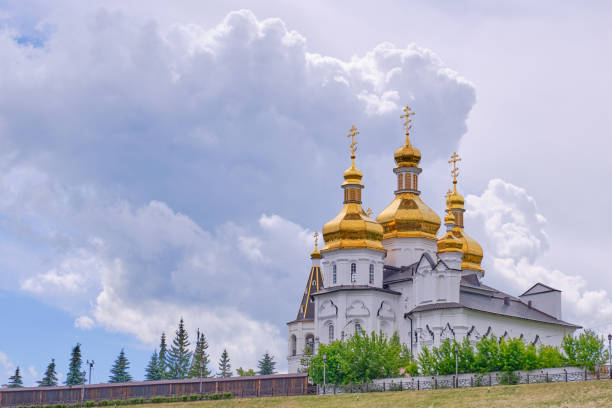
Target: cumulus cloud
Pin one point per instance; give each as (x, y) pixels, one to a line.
(514, 238)
(156, 168)
(7, 367)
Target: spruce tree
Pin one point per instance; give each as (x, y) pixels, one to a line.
(266, 365)
(15, 381)
(119, 371)
(179, 355)
(152, 372)
(162, 358)
(75, 376)
(200, 360)
(225, 368)
(50, 378)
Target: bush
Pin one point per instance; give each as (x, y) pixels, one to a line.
(510, 378)
(90, 403)
(185, 398)
(119, 402)
(104, 403)
(158, 400)
(194, 397)
(135, 401)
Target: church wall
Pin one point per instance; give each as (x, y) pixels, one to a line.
(300, 330)
(407, 251)
(432, 327)
(372, 310)
(548, 302)
(343, 259)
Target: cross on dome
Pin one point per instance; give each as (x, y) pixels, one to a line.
(455, 170)
(353, 146)
(408, 112)
(316, 237)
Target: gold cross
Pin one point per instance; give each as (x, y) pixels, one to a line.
(455, 170)
(407, 114)
(369, 212)
(353, 132)
(316, 237)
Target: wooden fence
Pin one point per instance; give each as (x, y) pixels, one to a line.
(256, 386)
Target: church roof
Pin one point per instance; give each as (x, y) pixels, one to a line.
(356, 287)
(539, 288)
(473, 295)
(314, 284)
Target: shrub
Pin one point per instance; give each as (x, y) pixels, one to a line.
(104, 403)
(118, 402)
(158, 400)
(185, 398)
(90, 403)
(194, 397)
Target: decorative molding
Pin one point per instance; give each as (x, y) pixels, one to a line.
(357, 309)
(328, 309)
(385, 311)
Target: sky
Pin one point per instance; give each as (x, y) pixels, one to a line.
(164, 160)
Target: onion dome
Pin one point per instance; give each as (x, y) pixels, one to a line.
(352, 227)
(449, 242)
(408, 216)
(472, 251)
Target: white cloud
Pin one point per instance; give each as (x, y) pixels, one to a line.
(32, 371)
(7, 367)
(84, 322)
(163, 146)
(514, 240)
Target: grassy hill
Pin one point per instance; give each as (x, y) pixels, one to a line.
(567, 395)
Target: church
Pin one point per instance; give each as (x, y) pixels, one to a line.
(395, 274)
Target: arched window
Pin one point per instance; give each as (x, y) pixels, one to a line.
(293, 345)
(353, 273)
(310, 342)
(357, 328)
(331, 332)
(334, 274)
(371, 273)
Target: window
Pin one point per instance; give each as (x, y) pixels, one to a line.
(331, 332)
(371, 273)
(353, 273)
(357, 328)
(334, 274)
(310, 343)
(293, 345)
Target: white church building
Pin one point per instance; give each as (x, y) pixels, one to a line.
(394, 274)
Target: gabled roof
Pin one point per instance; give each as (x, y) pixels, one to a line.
(474, 295)
(539, 288)
(313, 284)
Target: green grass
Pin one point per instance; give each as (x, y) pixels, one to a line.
(567, 395)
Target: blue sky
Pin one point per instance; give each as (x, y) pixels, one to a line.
(159, 162)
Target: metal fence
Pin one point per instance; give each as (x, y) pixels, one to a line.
(465, 381)
(256, 386)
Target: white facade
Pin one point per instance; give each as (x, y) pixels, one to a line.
(426, 301)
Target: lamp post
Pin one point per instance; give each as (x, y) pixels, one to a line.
(201, 370)
(83, 373)
(90, 364)
(610, 353)
(456, 365)
(324, 359)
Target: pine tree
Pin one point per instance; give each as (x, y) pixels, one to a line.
(75, 376)
(266, 365)
(162, 358)
(50, 378)
(200, 360)
(179, 355)
(119, 371)
(15, 381)
(225, 368)
(152, 372)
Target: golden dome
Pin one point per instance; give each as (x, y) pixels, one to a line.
(472, 251)
(407, 155)
(352, 227)
(449, 218)
(409, 217)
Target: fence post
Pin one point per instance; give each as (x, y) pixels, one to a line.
(471, 381)
(490, 380)
(436, 383)
(598, 373)
(401, 386)
(585, 375)
(547, 376)
(418, 384)
(384, 386)
(565, 374)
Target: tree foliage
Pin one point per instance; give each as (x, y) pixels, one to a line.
(225, 368)
(266, 365)
(119, 370)
(15, 381)
(75, 376)
(179, 355)
(245, 373)
(50, 377)
(152, 371)
(162, 358)
(360, 359)
(200, 360)
(587, 350)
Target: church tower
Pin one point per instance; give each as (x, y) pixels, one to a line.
(353, 253)
(472, 251)
(410, 226)
(302, 329)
